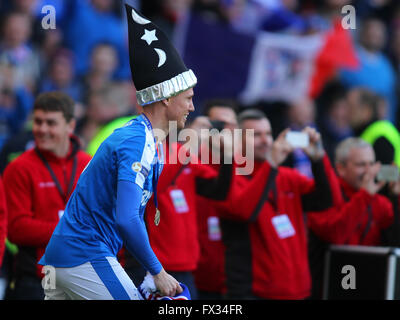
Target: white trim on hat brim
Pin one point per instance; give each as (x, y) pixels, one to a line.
(166, 89)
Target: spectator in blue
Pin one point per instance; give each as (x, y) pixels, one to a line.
(384, 10)
(284, 18)
(375, 71)
(92, 22)
(17, 52)
(60, 7)
(271, 15)
(102, 67)
(15, 106)
(333, 111)
(324, 13)
(34, 8)
(300, 114)
(60, 76)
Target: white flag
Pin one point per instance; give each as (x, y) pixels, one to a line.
(281, 67)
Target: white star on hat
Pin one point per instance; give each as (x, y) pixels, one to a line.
(149, 36)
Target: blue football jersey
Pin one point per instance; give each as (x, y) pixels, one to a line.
(88, 230)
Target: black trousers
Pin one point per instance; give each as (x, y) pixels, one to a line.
(25, 288)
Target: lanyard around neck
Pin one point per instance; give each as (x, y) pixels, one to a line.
(64, 195)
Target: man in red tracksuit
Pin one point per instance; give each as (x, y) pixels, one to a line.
(3, 221)
(364, 217)
(364, 214)
(38, 185)
(175, 240)
(263, 222)
(210, 272)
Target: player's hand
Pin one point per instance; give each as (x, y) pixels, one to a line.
(167, 284)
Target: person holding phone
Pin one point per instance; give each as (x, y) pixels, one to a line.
(364, 213)
(262, 221)
(219, 114)
(364, 217)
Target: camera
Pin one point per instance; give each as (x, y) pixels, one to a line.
(217, 124)
(389, 173)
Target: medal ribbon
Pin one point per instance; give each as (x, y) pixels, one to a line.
(156, 171)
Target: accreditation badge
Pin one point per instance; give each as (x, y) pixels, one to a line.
(157, 217)
(179, 201)
(214, 231)
(283, 226)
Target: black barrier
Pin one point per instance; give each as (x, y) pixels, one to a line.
(361, 272)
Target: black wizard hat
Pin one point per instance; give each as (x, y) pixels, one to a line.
(158, 71)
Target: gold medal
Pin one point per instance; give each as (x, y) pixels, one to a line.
(157, 217)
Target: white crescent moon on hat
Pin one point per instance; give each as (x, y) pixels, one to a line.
(138, 19)
(162, 56)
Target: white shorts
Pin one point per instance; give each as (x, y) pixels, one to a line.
(101, 279)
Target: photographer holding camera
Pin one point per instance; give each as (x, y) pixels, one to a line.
(364, 214)
(262, 222)
(365, 217)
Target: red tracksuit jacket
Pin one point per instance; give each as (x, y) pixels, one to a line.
(3, 221)
(34, 203)
(357, 221)
(175, 240)
(264, 255)
(209, 275)
(210, 272)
